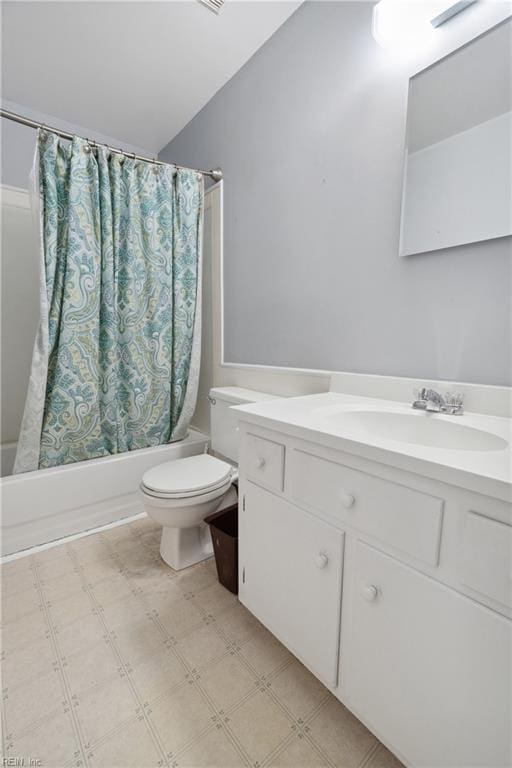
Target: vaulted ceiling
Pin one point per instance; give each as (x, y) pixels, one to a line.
(138, 71)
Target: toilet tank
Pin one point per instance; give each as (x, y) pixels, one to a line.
(224, 421)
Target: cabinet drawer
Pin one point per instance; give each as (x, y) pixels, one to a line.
(407, 520)
(263, 461)
(486, 557)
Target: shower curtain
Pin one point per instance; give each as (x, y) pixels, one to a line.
(116, 360)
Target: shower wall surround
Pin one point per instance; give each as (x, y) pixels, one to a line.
(311, 138)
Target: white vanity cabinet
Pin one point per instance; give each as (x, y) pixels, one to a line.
(393, 588)
(291, 577)
(429, 668)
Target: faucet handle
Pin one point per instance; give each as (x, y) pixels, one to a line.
(454, 403)
(454, 398)
(419, 401)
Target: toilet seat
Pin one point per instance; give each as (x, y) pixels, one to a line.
(187, 478)
(184, 503)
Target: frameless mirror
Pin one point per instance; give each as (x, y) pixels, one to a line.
(457, 173)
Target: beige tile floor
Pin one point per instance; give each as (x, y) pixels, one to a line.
(111, 659)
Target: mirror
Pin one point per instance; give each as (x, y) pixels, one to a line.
(457, 172)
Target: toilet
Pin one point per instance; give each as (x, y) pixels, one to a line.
(179, 494)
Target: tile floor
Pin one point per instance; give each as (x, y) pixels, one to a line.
(111, 659)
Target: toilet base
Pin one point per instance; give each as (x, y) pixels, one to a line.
(183, 547)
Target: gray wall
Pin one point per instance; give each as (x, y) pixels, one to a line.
(310, 135)
(18, 142)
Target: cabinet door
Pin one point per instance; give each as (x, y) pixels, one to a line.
(290, 577)
(429, 669)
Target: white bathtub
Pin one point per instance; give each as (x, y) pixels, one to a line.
(39, 507)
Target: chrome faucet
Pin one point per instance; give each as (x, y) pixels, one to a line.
(431, 401)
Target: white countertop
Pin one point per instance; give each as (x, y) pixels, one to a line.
(309, 417)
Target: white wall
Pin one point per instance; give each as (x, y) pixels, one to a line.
(20, 306)
(212, 222)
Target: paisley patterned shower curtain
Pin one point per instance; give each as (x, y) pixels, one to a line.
(116, 359)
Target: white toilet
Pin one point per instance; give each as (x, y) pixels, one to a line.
(179, 494)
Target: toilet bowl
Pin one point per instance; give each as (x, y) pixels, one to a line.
(179, 495)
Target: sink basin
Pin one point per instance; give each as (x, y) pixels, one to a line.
(424, 429)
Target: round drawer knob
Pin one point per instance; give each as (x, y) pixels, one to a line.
(261, 462)
(321, 560)
(370, 593)
(348, 500)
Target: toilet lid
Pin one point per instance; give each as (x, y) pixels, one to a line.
(195, 474)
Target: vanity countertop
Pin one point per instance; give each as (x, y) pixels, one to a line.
(384, 431)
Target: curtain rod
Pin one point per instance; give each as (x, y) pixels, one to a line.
(215, 173)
